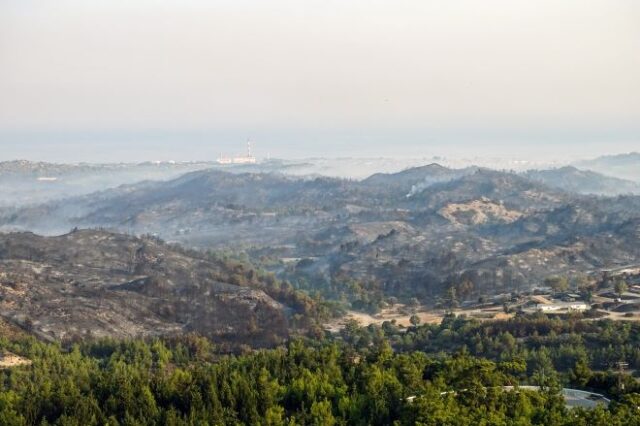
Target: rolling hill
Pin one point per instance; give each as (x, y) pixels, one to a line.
(97, 283)
(622, 166)
(498, 230)
(579, 181)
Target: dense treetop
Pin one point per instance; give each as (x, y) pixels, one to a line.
(450, 374)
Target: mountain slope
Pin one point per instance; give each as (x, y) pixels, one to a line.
(622, 166)
(104, 284)
(416, 179)
(498, 230)
(578, 181)
(27, 183)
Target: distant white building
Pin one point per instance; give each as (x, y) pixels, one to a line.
(241, 159)
(563, 306)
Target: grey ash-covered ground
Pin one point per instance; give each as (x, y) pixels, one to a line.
(97, 283)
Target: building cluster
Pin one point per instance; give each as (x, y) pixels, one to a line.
(247, 158)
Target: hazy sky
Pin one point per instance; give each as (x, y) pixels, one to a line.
(140, 79)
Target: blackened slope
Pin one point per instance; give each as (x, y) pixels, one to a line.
(104, 284)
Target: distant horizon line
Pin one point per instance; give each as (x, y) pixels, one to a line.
(434, 158)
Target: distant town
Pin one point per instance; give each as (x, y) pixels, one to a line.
(247, 158)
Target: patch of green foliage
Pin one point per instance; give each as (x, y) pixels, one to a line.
(424, 375)
(579, 353)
